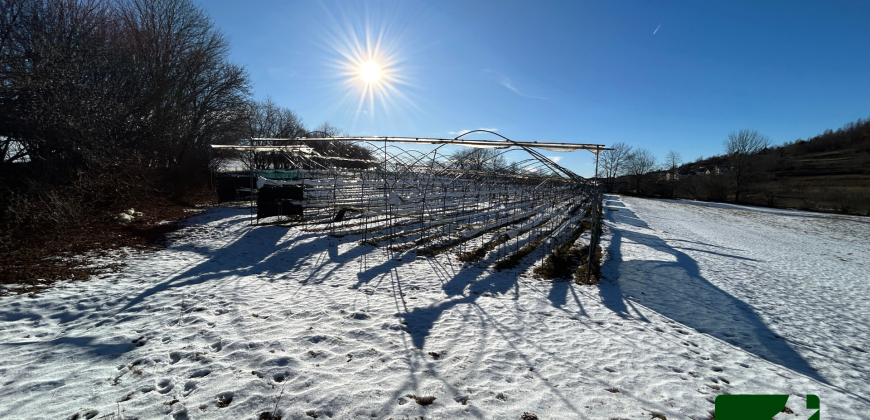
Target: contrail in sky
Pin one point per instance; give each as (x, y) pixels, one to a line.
(657, 28)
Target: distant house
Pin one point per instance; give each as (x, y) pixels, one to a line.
(704, 171)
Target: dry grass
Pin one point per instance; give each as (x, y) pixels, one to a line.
(35, 259)
(478, 253)
(561, 262)
(514, 259)
(595, 274)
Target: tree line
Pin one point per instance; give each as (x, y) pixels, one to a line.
(106, 103)
(828, 172)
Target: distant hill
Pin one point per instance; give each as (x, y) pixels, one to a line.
(829, 172)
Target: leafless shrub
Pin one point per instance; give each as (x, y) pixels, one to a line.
(844, 201)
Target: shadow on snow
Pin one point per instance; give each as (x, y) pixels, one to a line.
(677, 290)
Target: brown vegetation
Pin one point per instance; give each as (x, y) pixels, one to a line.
(594, 274)
(104, 106)
(829, 173)
(107, 105)
(564, 258)
(42, 255)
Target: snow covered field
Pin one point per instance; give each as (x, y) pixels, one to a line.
(232, 320)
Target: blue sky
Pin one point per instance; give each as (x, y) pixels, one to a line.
(656, 75)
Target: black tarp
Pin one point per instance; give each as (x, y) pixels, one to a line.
(227, 187)
(275, 200)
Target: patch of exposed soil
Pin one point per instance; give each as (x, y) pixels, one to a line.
(32, 263)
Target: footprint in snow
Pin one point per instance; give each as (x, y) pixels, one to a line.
(89, 414)
(164, 386)
(224, 399)
(189, 387)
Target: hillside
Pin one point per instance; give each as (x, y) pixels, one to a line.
(829, 172)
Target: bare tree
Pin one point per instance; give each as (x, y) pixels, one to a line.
(191, 94)
(328, 130)
(673, 161)
(348, 154)
(474, 159)
(612, 161)
(637, 165)
(740, 146)
(108, 98)
(60, 101)
(266, 119)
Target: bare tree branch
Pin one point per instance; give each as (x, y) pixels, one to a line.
(740, 146)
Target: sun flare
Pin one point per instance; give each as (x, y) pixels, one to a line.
(370, 72)
(370, 58)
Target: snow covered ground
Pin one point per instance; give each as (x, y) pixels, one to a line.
(233, 320)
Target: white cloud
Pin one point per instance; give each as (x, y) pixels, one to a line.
(555, 159)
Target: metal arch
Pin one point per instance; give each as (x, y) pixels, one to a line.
(481, 131)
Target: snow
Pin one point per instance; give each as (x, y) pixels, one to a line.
(699, 299)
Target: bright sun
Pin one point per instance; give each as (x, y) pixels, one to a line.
(370, 72)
